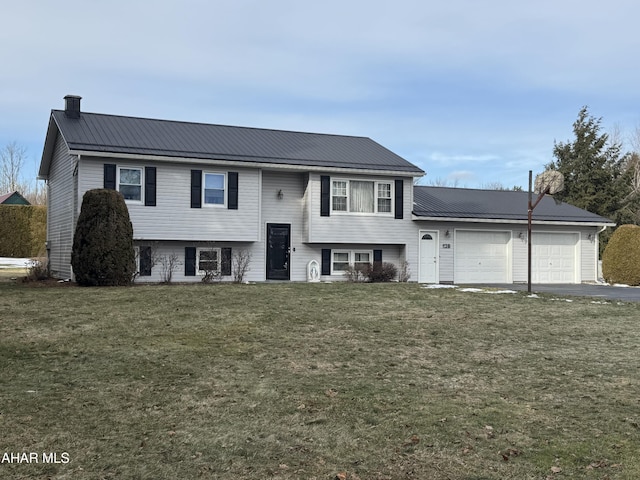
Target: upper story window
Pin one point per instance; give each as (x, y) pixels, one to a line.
(130, 183)
(214, 187)
(361, 196)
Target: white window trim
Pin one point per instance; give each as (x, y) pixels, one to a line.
(375, 197)
(351, 260)
(225, 192)
(205, 249)
(125, 167)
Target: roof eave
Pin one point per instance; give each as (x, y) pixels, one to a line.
(247, 164)
(53, 130)
(513, 221)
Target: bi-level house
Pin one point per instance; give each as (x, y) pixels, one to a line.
(201, 193)
(303, 205)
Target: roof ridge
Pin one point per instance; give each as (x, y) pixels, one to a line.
(185, 122)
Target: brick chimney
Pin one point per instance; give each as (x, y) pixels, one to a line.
(72, 106)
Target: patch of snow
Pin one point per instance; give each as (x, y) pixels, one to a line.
(501, 291)
(437, 285)
(8, 262)
(533, 295)
(620, 285)
(472, 290)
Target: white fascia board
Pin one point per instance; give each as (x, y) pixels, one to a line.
(235, 163)
(519, 222)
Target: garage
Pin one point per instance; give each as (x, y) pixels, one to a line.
(554, 257)
(482, 256)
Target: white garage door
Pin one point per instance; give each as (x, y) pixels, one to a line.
(553, 257)
(482, 257)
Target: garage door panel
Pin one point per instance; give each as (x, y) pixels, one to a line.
(482, 257)
(554, 257)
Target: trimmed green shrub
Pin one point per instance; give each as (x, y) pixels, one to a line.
(621, 258)
(23, 230)
(103, 251)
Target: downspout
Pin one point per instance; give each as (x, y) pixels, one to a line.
(597, 252)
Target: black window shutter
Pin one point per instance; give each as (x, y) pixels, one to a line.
(196, 189)
(326, 262)
(325, 196)
(399, 198)
(110, 176)
(225, 264)
(145, 261)
(190, 261)
(150, 186)
(377, 256)
(233, 191)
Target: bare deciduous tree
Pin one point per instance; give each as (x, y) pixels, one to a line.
(12, 158)
(241, 262)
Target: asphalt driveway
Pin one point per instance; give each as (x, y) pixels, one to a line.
(603, 292)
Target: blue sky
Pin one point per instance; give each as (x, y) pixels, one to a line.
(473, 92)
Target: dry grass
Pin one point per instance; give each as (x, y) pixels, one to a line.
(296, 381)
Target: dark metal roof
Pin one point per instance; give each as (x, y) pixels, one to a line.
(451, 203)
(111, 134)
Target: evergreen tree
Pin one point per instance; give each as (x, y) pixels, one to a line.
(592, 168)
(103, 242)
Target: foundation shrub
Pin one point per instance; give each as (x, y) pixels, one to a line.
(621, 257)
(103, 253)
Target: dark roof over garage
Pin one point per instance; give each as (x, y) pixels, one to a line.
(92, 133)
(461, 203)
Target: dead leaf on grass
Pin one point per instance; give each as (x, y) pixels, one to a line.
(331, 393)
(341, 476)
(414, 440)
(556, 470)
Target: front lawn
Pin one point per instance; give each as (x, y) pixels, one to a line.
(324, 381)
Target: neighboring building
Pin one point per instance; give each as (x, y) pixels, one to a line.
(202, 193)
(13, 198)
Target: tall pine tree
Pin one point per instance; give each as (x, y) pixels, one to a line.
(592, 168)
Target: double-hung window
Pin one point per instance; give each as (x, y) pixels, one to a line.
(342, 259)
(361, 196)
(208, 261)
(339, 196)
(384, 197)
(130, 183)
(214, 188)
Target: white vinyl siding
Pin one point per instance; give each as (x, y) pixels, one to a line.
(173, 218)
(62, 205)
(584, 247)
(360, 228)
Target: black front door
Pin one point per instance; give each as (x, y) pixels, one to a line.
(278, 245)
